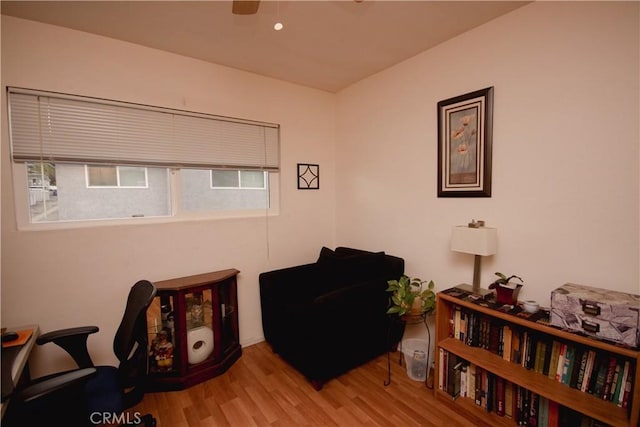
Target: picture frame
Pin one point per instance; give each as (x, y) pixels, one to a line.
(308, 176)
(465, 142)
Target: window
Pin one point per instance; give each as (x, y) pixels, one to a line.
(81, 192)
(116, 176)
(224, 190)
(238, 179)
(109, 159)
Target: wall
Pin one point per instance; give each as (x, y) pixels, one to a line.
(61, 278)
(566, 155)
(566, 151)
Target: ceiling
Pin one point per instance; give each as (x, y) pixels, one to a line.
(326, 45)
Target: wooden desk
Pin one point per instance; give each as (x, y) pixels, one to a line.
(21, 358)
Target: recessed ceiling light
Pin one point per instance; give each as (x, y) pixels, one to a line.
(278, 26)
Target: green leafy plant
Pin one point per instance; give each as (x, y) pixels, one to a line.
(504, 280)
(408, 290)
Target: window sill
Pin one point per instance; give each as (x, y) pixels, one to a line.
(184, 217)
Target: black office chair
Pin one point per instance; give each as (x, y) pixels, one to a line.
(91, 394)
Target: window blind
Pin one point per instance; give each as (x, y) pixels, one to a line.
(61, 128)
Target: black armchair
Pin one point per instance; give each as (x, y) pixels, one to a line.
(91, 394)
(327, 317)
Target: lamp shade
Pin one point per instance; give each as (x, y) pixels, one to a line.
(478, 241)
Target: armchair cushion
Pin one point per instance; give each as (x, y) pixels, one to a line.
(340, 267)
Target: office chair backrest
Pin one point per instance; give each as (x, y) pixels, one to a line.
(132, 328)
(130, 342)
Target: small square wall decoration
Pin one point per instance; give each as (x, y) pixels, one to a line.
(308, 176)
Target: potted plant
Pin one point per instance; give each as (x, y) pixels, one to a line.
(506, 291)
(411, 297)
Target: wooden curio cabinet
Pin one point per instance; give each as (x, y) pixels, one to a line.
(193, 329)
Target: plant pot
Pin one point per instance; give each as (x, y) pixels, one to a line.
(412, 318)
(416, 308)
(507, 294)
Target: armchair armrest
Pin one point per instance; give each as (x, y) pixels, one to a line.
(53, 384)
(73, 341)
(365, 294)
(283, 283)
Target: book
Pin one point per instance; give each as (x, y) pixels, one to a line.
(454, 371)
(582, 370)
(526, 401)
(463, 325)
(476, 330)
(463, 380)
(500, 396)
(563, 349)
(533, 409)
(628, 387)
(539, 356)
(599, 375)
(519, 405)
(478, 382)
(615, 383)
(588, 371)
(506, 350)
(543, 412)
(457, 378)
(452, 321)
(553, 362)
(569, 417)
(443, 368)
(608, 379)
(508, 399)
(553, 418)
(486, 335)
(623, 382)
(472, 330)
(532, 340)
(567, 367)
(494, 337)
(575, 369)
(490, 391)
(516, 333)
(471, 381)
(547, 358)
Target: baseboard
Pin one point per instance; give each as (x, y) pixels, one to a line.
(251, 341)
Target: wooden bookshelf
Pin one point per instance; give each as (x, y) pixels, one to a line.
(585, 403)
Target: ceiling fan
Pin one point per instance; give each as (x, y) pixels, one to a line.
(250, 7)
(245, 7)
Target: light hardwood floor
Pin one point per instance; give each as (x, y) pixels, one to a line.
(260, 389)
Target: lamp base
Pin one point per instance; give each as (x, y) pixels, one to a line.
(482, 293)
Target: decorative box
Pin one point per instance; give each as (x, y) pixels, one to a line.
(601, 313)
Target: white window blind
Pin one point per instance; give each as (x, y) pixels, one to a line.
(65, 128)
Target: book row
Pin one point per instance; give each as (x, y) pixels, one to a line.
(607, 376)
(459, 378)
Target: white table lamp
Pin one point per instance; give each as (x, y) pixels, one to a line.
(477, 240)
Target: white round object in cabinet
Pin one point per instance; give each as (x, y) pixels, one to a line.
(199, 344)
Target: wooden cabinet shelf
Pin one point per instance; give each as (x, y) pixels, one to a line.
(193, 329)
(582, 402)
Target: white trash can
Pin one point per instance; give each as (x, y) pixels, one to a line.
(415, 353)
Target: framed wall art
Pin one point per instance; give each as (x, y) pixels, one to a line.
(465, 133)
(308, 176)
